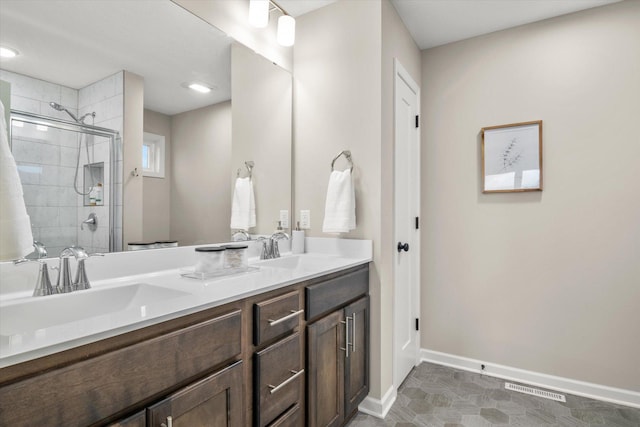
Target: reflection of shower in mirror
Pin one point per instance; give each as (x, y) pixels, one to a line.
(82, 137)
(62, 163)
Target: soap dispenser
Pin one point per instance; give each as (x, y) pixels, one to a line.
(297, 240)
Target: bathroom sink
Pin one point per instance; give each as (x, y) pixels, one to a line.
(44, 312)
(300, 262)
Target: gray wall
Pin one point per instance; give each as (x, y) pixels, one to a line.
(156, 193)
(200, 184)
(262, 103)
(546, 281)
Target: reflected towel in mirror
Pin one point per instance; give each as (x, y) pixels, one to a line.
(243, 205)
(340, 206)
(16, 239)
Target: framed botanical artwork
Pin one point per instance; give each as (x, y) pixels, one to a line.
(512, 157)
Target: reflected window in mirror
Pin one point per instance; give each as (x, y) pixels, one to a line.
(153, 155)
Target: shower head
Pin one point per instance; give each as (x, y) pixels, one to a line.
(59, 107)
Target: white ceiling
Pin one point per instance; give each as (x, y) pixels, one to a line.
(300, 7)
(437, 22)
(75, 43)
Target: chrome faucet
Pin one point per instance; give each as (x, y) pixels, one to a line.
(64, 283)
(243, 236)
(275, 237)
(270, 248)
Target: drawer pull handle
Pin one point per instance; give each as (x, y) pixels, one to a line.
(169, 422)
(285, 318)
(296, 374)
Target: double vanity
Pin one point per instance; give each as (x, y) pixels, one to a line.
(286, 344)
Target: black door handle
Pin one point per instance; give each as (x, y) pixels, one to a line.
(402, 247)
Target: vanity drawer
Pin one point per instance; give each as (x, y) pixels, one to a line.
(87, 392)
(324, 297)
(275, 317)
(278, 377)
(291, 418)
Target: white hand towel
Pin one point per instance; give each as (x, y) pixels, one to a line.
(243, 205)
(340, 206)
(16, 240)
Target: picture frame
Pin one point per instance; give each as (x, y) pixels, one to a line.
(512, 157)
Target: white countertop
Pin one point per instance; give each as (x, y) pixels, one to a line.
(33, 327)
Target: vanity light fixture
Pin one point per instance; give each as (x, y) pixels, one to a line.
(259, 17)
(199, 88)
(286, 30)
(7, 52)
(259, 13)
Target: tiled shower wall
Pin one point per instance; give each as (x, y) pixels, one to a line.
(106, 99)
(47, 160)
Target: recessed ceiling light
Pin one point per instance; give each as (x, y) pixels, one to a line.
(7, 52)
(199, 88)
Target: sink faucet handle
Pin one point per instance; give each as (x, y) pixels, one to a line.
(82, 281)
(43, 283)
(39, 249)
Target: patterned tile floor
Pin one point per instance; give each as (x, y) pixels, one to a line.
(437, 396)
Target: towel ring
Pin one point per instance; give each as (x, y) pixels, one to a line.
(347, 155)
(249, 165)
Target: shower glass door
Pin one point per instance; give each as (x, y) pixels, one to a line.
(66, 172)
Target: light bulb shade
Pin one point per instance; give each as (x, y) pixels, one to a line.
(7, 52)
(259, 13)
(286, 30)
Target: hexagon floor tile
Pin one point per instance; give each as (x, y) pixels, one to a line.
(438, 396)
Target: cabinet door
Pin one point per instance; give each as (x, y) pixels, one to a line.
(278, 378)
(356, 378)
(215, 401)
(136, 420)
(325, 358)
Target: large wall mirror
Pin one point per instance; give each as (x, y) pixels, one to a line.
(199, 151)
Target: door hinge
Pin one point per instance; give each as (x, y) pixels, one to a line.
(417, 121)
(417, 222)
(417, 324)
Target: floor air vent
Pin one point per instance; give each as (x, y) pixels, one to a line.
(535, 392)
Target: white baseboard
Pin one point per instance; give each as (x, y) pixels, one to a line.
(379, 408)
(566, 385)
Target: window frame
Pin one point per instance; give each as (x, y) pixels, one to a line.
(156, 144)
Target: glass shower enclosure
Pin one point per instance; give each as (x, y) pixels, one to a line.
(71, 181)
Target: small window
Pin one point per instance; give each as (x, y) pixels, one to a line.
(153, 155)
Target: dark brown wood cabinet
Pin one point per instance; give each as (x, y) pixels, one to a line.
(356, 378)
(338, 351)
(139, 419)
(278, 359)
(325, 366)
(215, 401)
(278, 376)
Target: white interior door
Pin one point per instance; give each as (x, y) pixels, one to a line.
(407, 234)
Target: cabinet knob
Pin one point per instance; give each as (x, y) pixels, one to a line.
(169, 422)
(403, 247)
